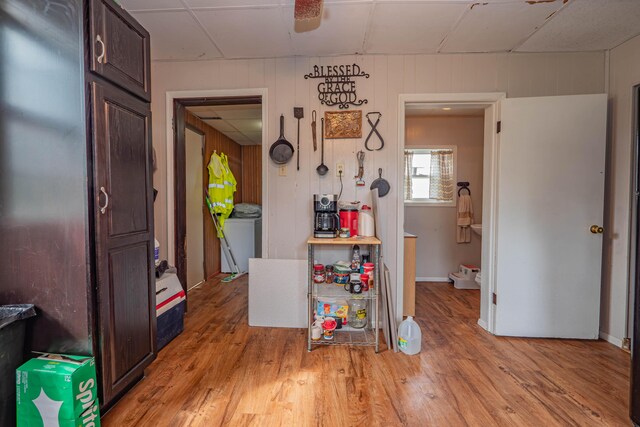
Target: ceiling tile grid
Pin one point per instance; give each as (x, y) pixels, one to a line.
(208, 29)
(497, 27)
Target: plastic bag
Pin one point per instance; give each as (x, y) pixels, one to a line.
(14, 312)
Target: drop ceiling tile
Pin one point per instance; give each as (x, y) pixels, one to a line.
(247, 33)
(203, 110)
(132, 5)
(256, 137)
(249, 125)
(238, 137)
(220, 125)
(184, 40)
(232, 112)
(587, 25)
(341, 30)
(234, 134)
(497, 27)
(411, 27)
(231, 3)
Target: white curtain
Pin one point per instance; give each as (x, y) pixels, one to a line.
(441, 185)
(408, 185)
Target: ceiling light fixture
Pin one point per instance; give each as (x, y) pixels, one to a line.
(307, 9)
(446, 108)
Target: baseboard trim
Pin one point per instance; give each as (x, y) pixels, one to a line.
(613, 340)
(483, 324)
(432, 279)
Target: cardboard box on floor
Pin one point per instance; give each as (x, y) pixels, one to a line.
(57, 390)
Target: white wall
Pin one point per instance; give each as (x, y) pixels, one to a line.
(624, 73)
(289, 216)
(437, 252)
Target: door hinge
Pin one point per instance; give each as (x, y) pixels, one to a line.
(499, 126)
(626, 344)
(494, 298)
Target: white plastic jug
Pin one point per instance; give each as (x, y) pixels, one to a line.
(366, 225)
(409, 336)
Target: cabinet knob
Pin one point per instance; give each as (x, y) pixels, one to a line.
(100, 58)
(596, 229)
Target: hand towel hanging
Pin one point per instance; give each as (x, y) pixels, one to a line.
(464, 218)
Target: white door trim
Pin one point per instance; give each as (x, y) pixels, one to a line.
(492, 101)
(204, 93)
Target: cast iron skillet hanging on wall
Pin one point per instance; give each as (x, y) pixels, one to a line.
(281, 151)
(381, 184)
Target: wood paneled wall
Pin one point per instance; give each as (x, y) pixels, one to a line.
(252, 174)
(245, 163)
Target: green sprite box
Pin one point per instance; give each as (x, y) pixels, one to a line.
(57, 391)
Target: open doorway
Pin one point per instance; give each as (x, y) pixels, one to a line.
(483, 191)
(230, 129)
(443, 187)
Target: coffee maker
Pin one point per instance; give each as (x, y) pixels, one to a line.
(327, 221)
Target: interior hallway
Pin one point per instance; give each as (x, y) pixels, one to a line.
(221, 372)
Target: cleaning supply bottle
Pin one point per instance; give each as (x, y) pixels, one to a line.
(156, 252)
(409, 336)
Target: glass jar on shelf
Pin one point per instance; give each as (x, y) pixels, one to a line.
(329, 274)
(319, 274)
(357, 314)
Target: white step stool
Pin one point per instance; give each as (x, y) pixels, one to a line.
(465, 277)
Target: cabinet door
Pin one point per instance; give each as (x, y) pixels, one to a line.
(119, 48)
(124, 237)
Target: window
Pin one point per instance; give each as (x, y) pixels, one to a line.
(430, 176)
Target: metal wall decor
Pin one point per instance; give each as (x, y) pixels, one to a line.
(343, 124)
(338, 87)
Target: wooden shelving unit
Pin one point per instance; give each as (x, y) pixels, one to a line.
(370, 334)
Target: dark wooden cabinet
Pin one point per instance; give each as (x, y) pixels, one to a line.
(124, 235)
(119, 48)
(76, 202)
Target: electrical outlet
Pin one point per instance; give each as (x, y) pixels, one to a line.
(282, 170)
(340, 169)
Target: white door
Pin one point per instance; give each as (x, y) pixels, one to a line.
(550, 192)
(194, 196)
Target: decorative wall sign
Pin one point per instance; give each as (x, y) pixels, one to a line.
(343, 124)
(338, 87)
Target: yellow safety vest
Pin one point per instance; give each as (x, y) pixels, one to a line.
(222, 185)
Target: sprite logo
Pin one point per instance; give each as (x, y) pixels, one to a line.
(89, 405)
(48, 409)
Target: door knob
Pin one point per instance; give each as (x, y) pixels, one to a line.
(596, 229)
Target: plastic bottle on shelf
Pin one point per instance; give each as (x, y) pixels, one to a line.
(355, 259)
(409, 336)
(365, 222)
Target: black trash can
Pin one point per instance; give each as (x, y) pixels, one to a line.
(12, 331)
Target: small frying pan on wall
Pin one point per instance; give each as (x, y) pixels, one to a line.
(281, 151)
(381, 184)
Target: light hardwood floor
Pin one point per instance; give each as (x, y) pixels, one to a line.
(221, 372)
